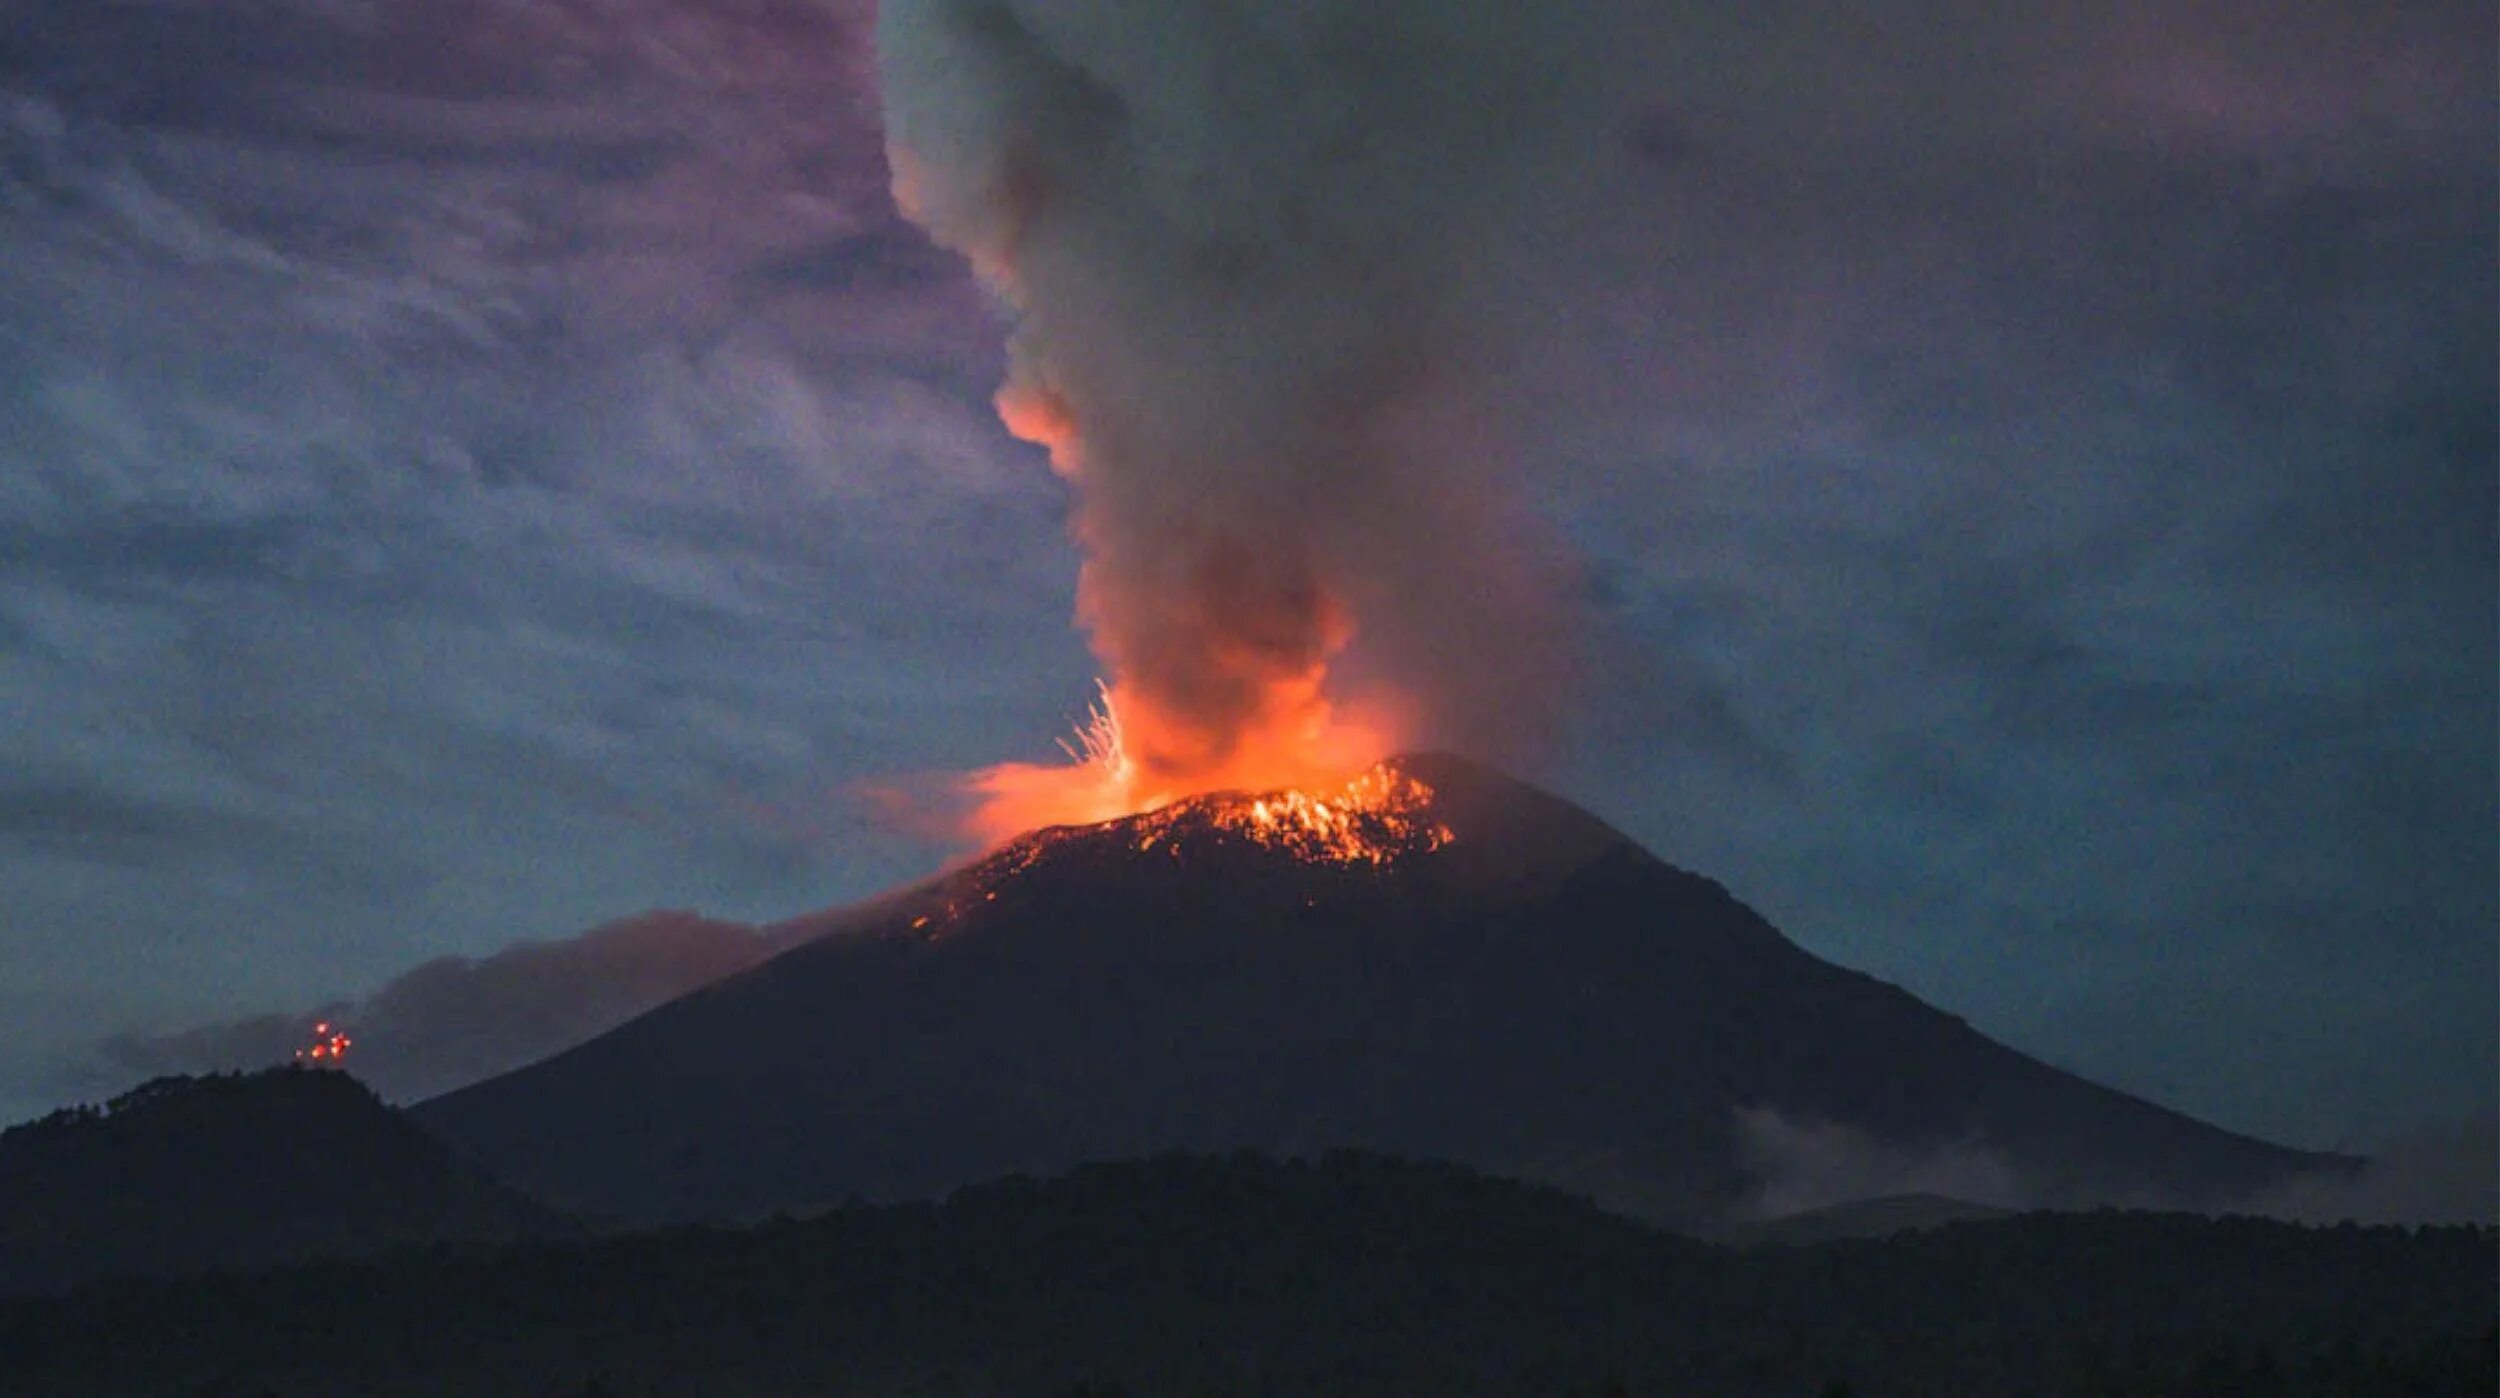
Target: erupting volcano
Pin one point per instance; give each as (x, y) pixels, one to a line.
(1302, 549)
(1432, 959)
(1242, 330)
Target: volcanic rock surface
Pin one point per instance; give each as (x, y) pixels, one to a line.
(1532, 995)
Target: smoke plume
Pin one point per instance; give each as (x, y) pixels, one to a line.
(1247, 251)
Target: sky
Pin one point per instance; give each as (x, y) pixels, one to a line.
(472, 471)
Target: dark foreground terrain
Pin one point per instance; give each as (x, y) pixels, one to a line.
(220, 1173)
(1243, 1275)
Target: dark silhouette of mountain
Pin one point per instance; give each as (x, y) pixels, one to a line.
(187, 1175)
(1352, 1275)
(1535, 996)
(1884, 1217)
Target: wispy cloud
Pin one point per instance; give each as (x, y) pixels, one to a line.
(455, 1020)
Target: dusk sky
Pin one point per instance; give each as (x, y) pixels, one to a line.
(2019, 496)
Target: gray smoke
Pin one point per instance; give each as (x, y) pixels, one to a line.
(1252, 253)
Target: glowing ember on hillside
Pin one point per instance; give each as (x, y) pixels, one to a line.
(329, 1046)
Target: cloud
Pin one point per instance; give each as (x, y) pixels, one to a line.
(441, 503)
(2057, 577)
(2450, 1176)
(1802, 1164)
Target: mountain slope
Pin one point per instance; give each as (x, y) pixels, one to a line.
(1531, 994)
(198, 1174)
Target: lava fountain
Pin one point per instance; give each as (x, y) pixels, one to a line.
(1313, 784)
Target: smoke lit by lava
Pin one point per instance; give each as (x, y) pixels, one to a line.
(1234, 243)
(1376, 818)
(1306, 752)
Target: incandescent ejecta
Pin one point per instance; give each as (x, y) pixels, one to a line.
(1245, 249)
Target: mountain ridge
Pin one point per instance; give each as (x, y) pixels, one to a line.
(233, 1172)
(1350, 1274)
(1535, 995)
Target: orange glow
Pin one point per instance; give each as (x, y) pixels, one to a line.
(1044, 419)
(1220, 669)
(1372, 820)
(1375, 818)
(329, 1046)
(1297, 741)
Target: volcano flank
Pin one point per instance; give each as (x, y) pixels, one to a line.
(1442, 963)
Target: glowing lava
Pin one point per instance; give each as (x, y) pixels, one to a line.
(1370, 821)
(1376, 818)
(1302, 745)
(328, 1048)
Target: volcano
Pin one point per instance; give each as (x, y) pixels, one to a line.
(1438, 962)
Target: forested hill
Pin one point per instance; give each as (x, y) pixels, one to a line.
(1355, 1275)
(193, 1174)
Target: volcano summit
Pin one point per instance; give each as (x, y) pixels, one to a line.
(1437, 961)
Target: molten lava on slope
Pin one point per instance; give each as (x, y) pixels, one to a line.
(1318, 764)
(1376, 818)
(1372, 821)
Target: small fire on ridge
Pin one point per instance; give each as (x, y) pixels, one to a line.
(328, 1048)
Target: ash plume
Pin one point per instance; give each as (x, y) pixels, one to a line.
(1247, 250)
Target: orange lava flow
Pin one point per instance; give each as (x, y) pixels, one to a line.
(1376, 818)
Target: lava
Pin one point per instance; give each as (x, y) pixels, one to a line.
(1371, 820)
(1376, 818)
(1300, 743)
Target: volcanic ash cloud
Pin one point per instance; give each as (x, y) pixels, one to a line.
(1249, 253)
